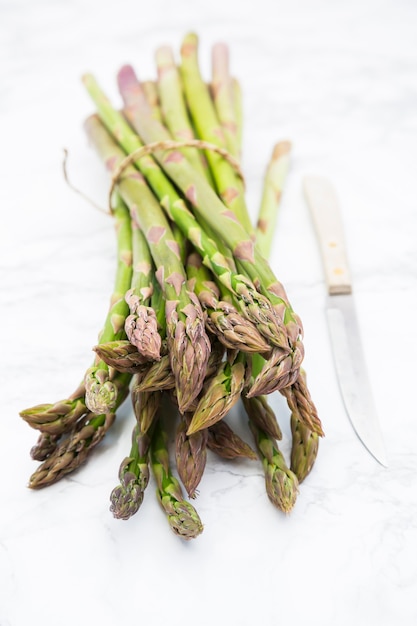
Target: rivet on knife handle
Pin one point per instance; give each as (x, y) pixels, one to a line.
(322, 201)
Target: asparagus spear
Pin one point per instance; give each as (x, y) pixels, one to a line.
(281, 483)
(261, 414)
(176, 117)
(55, 419)
(223, 97)
(122, 355)
(279, 371)
(221, 392)
(191, 455)
(226, 443)
(231, 328)
(100, 390)
(305, 439)
(208, 127)
(274, 180)
(188, 344)
(134, 474)
(157, 377)
(182, 516)
(145, 405)
(305, 423)
(141, 325)
(82, 439)
(173, 105)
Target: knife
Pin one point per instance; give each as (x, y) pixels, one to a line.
(342, 318)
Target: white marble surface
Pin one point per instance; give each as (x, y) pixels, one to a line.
(339, 80)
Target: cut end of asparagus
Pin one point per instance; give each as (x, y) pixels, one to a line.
(281, 148)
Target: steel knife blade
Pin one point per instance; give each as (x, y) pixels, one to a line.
(342, 318)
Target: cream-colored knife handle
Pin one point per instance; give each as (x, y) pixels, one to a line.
(323, 203)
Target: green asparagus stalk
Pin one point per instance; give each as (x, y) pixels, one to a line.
(82, 439)
(182, 516)
(191, 455)
(305, 424)
(223, 97)
(188, 344)
(224, 442)
(141, 325)
(231, 328)
(274, 180)
(206, 122)
(278, 365)
(134, 474)
(174, 108)
(280, 482)
(100, 390)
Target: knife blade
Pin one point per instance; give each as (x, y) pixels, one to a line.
(344, 330)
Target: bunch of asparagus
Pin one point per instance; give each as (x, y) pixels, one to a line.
(197, 321)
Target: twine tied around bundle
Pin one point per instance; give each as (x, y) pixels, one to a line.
(149, 149)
